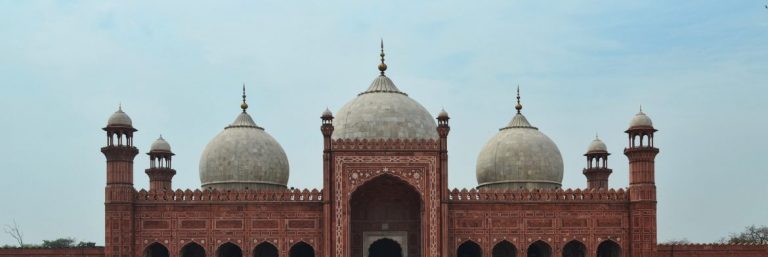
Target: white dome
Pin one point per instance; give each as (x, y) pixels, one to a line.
(243, 156)
(160, 145)
(119, 118)
(383, 112)
(597, 145)
(641, 120)
(519, 156)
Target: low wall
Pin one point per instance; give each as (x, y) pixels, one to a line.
(713, 250)
(52, 252)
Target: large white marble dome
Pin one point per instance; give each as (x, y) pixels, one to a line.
(519, 156)
(243, 156)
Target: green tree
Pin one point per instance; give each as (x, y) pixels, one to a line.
(751, 235)
(59, 243)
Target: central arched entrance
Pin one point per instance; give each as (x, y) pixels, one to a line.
(385, 247)
(385, 208)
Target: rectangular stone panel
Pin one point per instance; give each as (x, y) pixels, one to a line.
(574, 223)
(156, 224)
(469, 223)
(193, 224)
(264, 224)
(504, 223)
(301, 224)
(609, 222)
(539, 223)
(229, 224)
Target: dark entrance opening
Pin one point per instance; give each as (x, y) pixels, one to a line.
(539, 249)
(385, 203)
(156, 250)
(574, 249)
(192, 250)
(265, 250)
(301, 249)
(385, 247)
(608, 248)
(469, 249)
(229, 250)
(504, 249)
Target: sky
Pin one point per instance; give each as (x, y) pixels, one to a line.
(698, 68)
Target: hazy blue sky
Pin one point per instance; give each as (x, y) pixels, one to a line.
(699, 68)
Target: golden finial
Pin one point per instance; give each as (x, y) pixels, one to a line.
(244, 105)
(518, 106)
(382, 65)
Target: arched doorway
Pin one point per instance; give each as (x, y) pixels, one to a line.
(539, 249)
(574, 249)
(301, 249)
(192, 250)
(469, 249)
(265, 250)
(504, 249)
(156, 250)
(385, 247)
(229, 250)
(385, 207)
(608, 248)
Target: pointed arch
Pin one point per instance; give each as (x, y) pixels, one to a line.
(385, 247)
(504, 249)
(469, 249)
(301, 249)
(608, 248)
(265, 249)
(192, 249)
(229, 249)
(539, 249)
(156, 250)
(574, 248)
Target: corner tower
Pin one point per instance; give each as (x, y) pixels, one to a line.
(597, 171)
(642, 185)
(160, 171)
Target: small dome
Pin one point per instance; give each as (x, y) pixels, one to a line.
(160, 145)
(519, 156)
(243, 156)
(443, 114)
(597, 145)
(327, 114)
(640, 120)
(119, 118)
(384, 112)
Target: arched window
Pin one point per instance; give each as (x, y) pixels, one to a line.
(156, 250)
(229, 250)
(265, 250)
(469, 249)
(192, 250)
(608, 248)
(504, 249)
(574, 249)
(539, 249)
(301, 249)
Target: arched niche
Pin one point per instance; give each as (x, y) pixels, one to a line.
(265, 250)
(156, 250)
(469, 249)
(229, 250)
(539, 249)
(192, 250)
(504, 249)
(301, 249)
(574, 249)
(385, 247)
(608, 248)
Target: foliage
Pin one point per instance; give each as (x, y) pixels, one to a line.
(676, 241)
(59, 243)
(751, 235)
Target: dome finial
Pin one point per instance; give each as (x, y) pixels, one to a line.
(382, 66)
(641, 108)
(244, 105)
(518, 106)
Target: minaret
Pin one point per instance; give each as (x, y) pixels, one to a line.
(327, 129)
(160, 171)
(118, 202)
(120, 153)
(597, 171)
(642, 185)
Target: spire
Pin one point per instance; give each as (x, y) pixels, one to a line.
(641, 108)
(244, 105)
(382, 66)
(518, 106)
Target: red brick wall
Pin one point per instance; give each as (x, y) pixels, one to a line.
(52, 252)
(712, 250)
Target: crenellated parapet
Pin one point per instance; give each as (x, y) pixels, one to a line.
(537, 195)
(385, 144)
(198, 195)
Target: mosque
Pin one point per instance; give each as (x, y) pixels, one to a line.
(385, 191)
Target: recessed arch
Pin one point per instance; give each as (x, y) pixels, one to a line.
(301, 249)
(385, 247)
(574, 248)
(608, 248)
(192, 249)
(229, 249)
(265, 249)
(469, 249)
(539, 249)
(156, 250)
(504, 249)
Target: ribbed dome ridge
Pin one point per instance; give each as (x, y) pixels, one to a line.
(519, 121)
(382, 84)
(244, 121)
